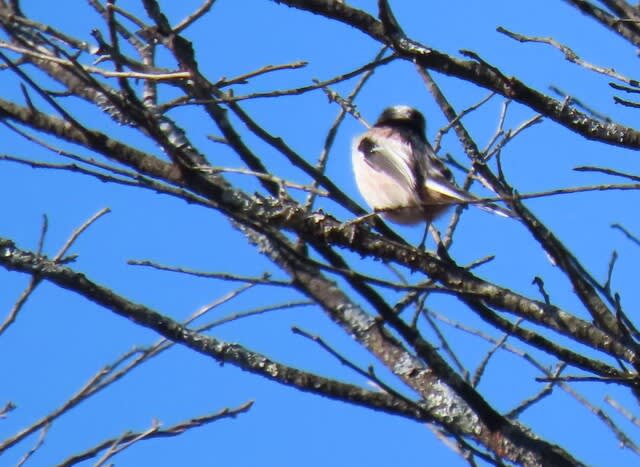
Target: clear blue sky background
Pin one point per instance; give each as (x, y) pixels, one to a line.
(60, 340)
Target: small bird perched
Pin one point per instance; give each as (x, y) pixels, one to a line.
(398, 173)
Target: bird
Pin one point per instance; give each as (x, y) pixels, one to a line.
(398, 173)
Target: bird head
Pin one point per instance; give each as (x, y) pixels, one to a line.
(403, 116)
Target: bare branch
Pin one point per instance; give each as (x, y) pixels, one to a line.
(243, 79)
(569, 54)
(193, 17)
(38, 445)
(115, 445)
(628, 415)
(265, 279)
(627, 234)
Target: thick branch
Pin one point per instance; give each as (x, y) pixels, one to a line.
(14, 259)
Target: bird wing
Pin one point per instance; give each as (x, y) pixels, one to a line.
(447, 189)
(436, 176)
(389, 156)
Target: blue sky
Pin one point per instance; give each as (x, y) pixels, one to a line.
(60, 340)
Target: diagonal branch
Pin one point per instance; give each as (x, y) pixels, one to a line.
(474, 71)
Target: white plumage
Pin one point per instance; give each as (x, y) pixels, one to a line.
(398, 173)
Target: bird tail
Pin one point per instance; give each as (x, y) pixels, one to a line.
(451, 191)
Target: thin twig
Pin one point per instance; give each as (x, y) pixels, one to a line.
(628, 415)
(500, 128)
(346, 105)
(485, 361)
(127, 440)
(282, 92)
(8, 407)
(108, 374)
(138, 181)
(77, 232)
(69, 155)
(103, 177)
(38, 445)
(159, 76)
(569, 54)
(588, 379)
(193, 17)
(124, 441)
(612, 263)
(544, 392)
(627, 234)
(625, 440)
(369, 374)
(334, 353)
(540, 284)
(43, 234)
(511, 134)
(33, 282)
(264, 176)
(265, 279)
(445, 129)
(125, 14)
(608, 171)
(243, 79)
(444, 343)
(572, 100)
